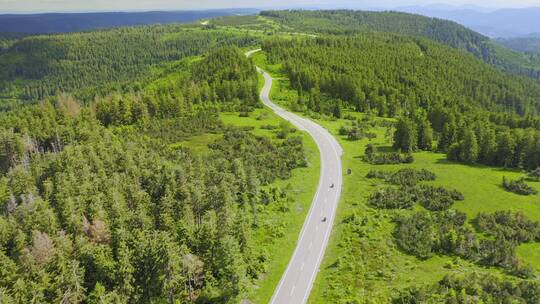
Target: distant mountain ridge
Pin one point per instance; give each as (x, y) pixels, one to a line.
(528, 44)
(504, 23)
(74, 22)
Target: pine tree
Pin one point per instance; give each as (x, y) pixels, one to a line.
(425, 136)
(469, 147)
(405, 137)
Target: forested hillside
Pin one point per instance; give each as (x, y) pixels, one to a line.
(98, 203)
(522, 44)
(7, 39)
(395, 74)
(98, 62)
(477, 113)
(345, 22)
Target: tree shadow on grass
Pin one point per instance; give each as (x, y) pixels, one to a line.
(385, 149)
(444, 161)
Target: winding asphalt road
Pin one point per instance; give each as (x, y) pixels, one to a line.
(295, 284)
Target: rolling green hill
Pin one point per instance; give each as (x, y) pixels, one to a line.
(345, 22)
(98, 62)
(395, 74)
(522, 44)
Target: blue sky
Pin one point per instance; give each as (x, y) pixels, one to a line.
(134, 5)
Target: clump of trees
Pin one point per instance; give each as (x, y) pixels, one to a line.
(403, 177)
(512, 226)
(391, 158)
(472, 287)
(410, 192)
(424, 234)
(518, 186)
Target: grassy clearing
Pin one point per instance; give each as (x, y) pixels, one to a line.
(362, 264)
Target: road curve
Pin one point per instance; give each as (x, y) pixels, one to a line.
(295, 284)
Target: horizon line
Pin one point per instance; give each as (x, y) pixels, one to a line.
(259, 8)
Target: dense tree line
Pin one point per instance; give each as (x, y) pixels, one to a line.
(470, 137)
(530, 45)
(8, 39)
(348, 22)
(229, 75)
(224, 78)
(98, 62)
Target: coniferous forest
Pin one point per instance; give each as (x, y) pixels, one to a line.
(97, 207)
(123, 180)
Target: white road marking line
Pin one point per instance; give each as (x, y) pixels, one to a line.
(302, 266)
(292, 290)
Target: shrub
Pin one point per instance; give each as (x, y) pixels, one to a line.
(535, 174)
(518, 186)
(403, 177)
(393, 158)
(391, 198)
(513, 226)
(435, 198)
(410, 177)
(423, 234)
(378, 174)
(370, 152)
(471, 288)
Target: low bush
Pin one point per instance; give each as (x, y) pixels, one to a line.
(393, 158)
(518, 186)
(513, 226)
(403, 177)
(435, 198)
(391, 198)
(472, 288)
